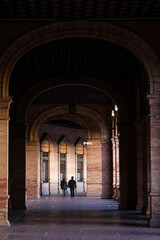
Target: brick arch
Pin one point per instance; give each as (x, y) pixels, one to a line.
(87, 81)
(62, 110)
(105, 31)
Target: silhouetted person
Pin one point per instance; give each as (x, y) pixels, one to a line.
(63, 187)
(72, 186)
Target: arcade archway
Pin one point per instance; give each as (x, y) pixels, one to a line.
(150, 62)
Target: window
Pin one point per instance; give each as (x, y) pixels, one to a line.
(45, 167)
(62, 166)
(80, 167)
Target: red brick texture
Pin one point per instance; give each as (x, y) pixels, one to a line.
(94, 169)
(154, 102)
(4, 119)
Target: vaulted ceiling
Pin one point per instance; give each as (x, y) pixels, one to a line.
(78, 56)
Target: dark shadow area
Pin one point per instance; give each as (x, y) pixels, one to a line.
(77, 211)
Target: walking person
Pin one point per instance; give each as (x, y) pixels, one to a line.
(72, 186)
(63, 187)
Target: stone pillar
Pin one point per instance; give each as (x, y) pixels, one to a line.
(32, 169)
(17, 167)
(106, 168)
(127, 167)
(154, 102)
(4, 119)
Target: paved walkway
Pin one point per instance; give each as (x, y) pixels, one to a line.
(50, 218)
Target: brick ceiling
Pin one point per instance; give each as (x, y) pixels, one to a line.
(79, 9)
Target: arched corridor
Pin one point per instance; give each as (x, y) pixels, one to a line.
(99, 82)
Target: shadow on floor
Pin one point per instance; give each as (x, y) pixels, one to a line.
(78, 210)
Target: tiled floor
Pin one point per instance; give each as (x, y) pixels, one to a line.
(78, 218)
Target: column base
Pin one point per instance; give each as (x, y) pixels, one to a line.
(106, 196)
(144, 210)
(4, 210)
(4, 223)
(114, 193)
(154, 222)
(139, 207)
(32, 191)
(17, 199)
(117, 197)
(125, 206)
(107, 192)
(148, 212)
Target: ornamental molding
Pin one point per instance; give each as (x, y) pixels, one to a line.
(5, 103)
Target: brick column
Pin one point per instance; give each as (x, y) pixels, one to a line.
(84, 171)
(17, 167)
(4, 119)
(32, 169)
(106, 168)
(148, 211)
(94, 169)
(127, 167)
(141, 156)
(154, 101)
(114, 168)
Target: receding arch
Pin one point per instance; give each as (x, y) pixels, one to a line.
(87, 81)
(64, 109)
(105, 31)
